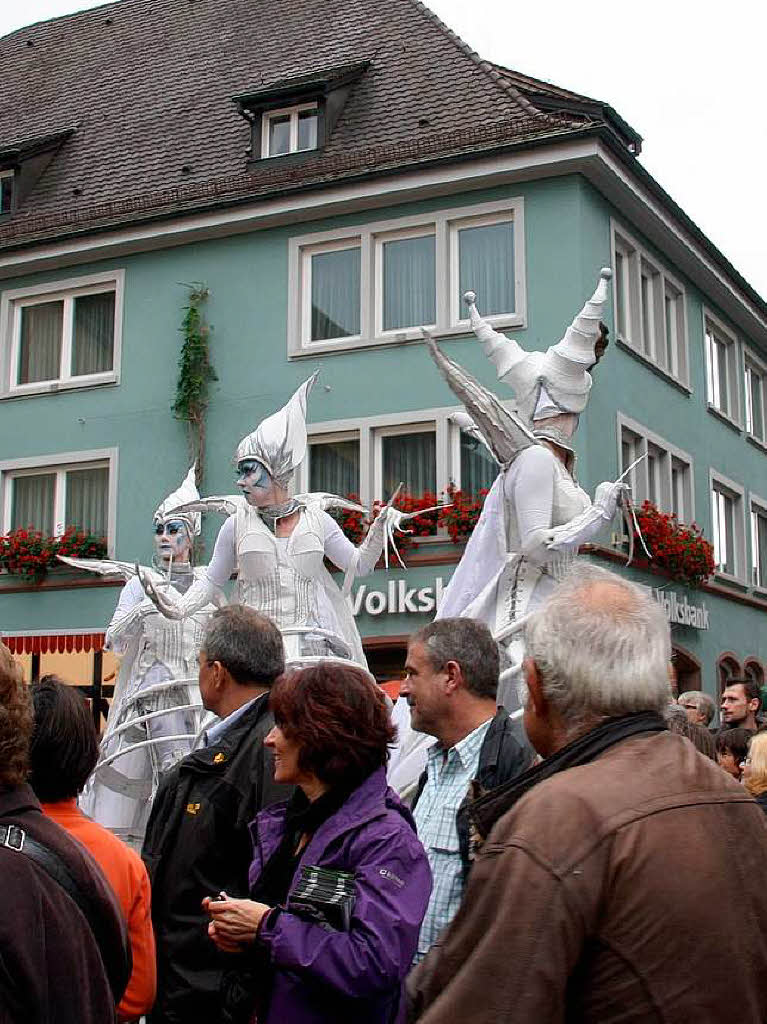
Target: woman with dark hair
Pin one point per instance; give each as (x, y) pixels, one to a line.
(732, 750)
(62, 755)
(339, 882)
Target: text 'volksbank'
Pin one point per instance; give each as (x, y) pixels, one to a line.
(397, 599)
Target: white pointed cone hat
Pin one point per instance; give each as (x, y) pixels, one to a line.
(279, 442)
(181, 496)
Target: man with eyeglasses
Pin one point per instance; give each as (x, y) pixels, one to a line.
(699, 707)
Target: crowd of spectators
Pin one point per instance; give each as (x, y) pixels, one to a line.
(549, 869)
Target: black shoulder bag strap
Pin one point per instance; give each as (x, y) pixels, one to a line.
(13, 837)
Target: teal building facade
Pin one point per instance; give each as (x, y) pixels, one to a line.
(335, 274)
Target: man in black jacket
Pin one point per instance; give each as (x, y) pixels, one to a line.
(451, 684)
(197, 841)
(64, 948)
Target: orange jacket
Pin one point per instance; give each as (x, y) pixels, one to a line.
(127, 875)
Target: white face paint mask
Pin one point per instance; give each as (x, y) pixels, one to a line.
(172, 539)
(254, 482)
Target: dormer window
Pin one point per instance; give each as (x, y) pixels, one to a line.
(6, 191)
(289, 130)
(294, 116)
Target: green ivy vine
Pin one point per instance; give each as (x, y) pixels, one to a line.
(195, 374)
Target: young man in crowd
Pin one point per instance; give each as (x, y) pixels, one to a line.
(451, 682)
(593, 882)
(197, 841)
(64, 950)
(740, 704)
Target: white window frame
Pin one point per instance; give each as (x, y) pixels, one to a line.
(719, 482)
(639, 477)
(723, 334)
(450, 318)
(292, 112)
(60, 464)
(15, 300)
(630, 258)
(753, 364)
(756, 506)
(372, 429)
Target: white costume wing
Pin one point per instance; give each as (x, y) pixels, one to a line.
(106, 566)
(327, 502)
(225, 504)
(504, 433)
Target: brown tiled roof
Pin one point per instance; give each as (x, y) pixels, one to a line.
(148, 87)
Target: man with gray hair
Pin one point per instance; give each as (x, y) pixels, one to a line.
(451, 684)
(197, 840)
(594, 870)
(699, 707)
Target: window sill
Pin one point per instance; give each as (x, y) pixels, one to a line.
(727, 420)
(757, 443)
(404, 337)
(731, 581)
(55, 387)
(656, 369)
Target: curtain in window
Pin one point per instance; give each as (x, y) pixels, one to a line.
(761, 545)
(334, 466)
(87, 499)
(478, 467)
(755, 392)
(335, 294)
(93, 340)
(722, 400)
(32, 502)
(412, 459)
(41, 328)
(486, 266)
(409, 283)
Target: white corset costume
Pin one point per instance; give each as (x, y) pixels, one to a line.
(286, 578)
(532, 523)
(154, 650)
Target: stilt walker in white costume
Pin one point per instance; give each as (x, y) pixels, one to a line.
(535, 515)
(277, 544)
(156, 711)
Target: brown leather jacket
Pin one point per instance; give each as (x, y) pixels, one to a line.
(629, 889)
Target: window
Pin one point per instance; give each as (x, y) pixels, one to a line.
(6, 192)
(76, 489)
(721, 369)
(334, 465)
(727, 532)
(727, 668)
(664, 476)
(649, 308)
(758, 543)
(65, 334)
(289, 130)
(426, 451)
(755, 377)
(380, 283)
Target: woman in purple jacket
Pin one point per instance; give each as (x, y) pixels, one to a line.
(339, 883)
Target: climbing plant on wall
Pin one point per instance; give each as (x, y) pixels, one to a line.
(195, 374)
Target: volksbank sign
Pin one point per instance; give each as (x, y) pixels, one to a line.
(397, 599)
(680, 612)
(400, 599)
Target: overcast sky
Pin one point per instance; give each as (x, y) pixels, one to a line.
(688, 76)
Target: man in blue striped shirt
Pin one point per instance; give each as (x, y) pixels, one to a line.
(451, 684)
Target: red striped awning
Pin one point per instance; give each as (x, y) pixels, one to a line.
(53, 643)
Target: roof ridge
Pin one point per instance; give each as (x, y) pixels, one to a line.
(480, 62)
(60, 17)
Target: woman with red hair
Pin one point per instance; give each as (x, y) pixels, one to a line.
(339, 882)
